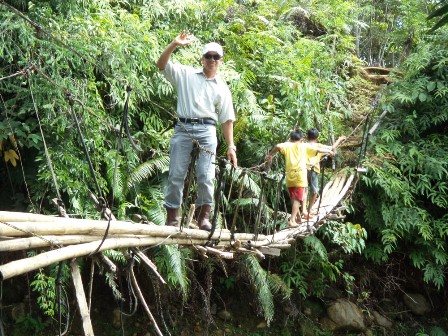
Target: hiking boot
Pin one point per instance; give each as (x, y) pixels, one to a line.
(202, 216)
(172, 217)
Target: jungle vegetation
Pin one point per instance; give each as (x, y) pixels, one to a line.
(288, 64)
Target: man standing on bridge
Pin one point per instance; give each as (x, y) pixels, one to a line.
(203, 100)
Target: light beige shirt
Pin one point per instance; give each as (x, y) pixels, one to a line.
(197, 96)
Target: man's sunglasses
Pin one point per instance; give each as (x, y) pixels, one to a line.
(215, 57)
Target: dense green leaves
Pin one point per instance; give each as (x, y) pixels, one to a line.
(288, 64)
(409, 168)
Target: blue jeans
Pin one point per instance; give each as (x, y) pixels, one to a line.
(180, 156)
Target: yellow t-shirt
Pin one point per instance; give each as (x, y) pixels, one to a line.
(296, 157)
(314, 161)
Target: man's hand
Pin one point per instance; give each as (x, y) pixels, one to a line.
(182, 39)
(231, 156)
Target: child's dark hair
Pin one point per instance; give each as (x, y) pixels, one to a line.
(312, 134)
(296, 135)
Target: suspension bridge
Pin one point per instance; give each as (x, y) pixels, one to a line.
(59, 238)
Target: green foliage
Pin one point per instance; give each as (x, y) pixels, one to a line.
(442, 13)
(265, 284)
(171, 264)
(406, 192)
(29, 325)
(351, 237)
(227, 282)
(389, 30)
(280, 75)
(46, 288)
(308, 268)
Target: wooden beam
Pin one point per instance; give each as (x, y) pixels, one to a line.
(81, 299)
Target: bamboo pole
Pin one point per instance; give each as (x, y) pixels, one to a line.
(23, 266)
(81, 299)
(143, 302)
(93, 227)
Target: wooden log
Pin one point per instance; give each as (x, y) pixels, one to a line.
(283, 246)
(201, 249)
(18, 244)
(81, 299)
(93, 227)
(220, 254)
(143, 302)
(9, 216)
(253, 251)
(107, 262)
(23, 266)
(270, 251)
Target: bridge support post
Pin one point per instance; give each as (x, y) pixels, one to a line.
(81, 299)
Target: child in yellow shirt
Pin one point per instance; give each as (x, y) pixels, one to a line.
(296, 154)
(313, 164)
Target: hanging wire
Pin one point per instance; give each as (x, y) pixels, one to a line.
(59, 299)
(217, 197)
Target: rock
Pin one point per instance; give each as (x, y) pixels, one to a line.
(417, 303)
(328, 324)
(381, 320)
(262, 325)
(219, 333)
(369, 332)
(198, 331)
(313, 308)
(345, 315)
(225, 315)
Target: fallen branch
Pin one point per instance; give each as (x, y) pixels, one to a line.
(143, 302)
(148, 263)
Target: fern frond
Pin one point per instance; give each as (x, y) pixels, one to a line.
(259, 280)
(316, 245)
(171, 264)
(278, 286)
(147, 169)
(115, 175)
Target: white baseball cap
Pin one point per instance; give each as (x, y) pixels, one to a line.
(213, 46)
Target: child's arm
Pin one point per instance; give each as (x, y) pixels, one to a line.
(272, 153)
(338, 142)
(328, 151)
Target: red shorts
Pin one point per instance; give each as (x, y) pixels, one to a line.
(296, 193)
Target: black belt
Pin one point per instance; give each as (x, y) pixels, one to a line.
(207, 121)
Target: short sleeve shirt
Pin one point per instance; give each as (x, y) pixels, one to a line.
(296, 157)
(314, 161)
(197, 96)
